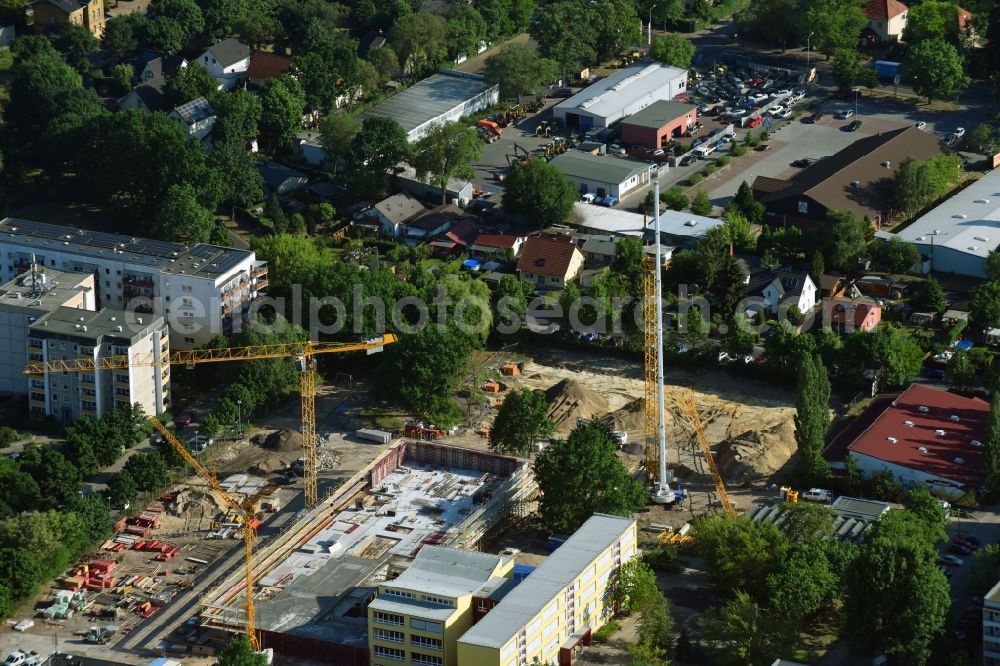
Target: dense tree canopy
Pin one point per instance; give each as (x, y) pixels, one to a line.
(581, 476)
(540, 192)
(673, 49)
(447, 151)
(936, 70)
(521, 423)
(520, 70)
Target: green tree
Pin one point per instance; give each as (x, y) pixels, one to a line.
(582, 475)
(930, 297)
(812, 419)
(519, 70)
(181, 217)
(185, 13)
(521, 422)
(21, 571)
(807, 524)
(835, 24)
(654, 631)
(8, 436)
(337, 132)
(985, 304)
(991, 451)
(565, 33)
(847, 240)
(992, 265)
(739, 229)
(540, 192)
(239, 652)
(960, 373)
(242, 184)
(78, 44)
(850, 68)
(894, 359)
(281, 103)
(237, 116)
(430, 361)
(701, 204)
(446, 151)
(934, 19)
(935, 69)
(187, 84)
(895, 256)
(385, 62)
(466, 29)
(921, 182)
(379, 147)
(896, 599)
(920, 501)
(617, 26)
(804, 583)
(749, 207)
(728, 287)
(740, 553)
(675, 198)
(673, 49)
(747, 632)
(420, 40)
(775, 21)
(120, 36)
(632, 587)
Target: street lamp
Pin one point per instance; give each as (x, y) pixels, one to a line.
(857, 93)
(239, 419)
(808, 47)
(649, 40)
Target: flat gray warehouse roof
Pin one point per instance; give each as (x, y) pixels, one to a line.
(622, 89)
(598, 168)
(429, 99)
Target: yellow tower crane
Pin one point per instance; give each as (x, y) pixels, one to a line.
(246, 511)
(303, 353)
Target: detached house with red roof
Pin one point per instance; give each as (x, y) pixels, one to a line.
(921, 435)
(886, 20)
(550, 262)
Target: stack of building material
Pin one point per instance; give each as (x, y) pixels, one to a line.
(150, 519)
(97, 575)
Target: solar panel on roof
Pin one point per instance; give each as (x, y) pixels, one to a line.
(155, 247)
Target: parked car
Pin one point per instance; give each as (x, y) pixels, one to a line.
(775, 110)
(758, 98)
(786, 113)
(845, 114)
(818, 495)
(778, 94)
(973, 539)
(957, 561)
(921, 125)
(688, 160)
(185, 419)
(959, 549)
(587, 198)
(697, 142)
(737, 113)
(854, 126)
(762, 147)
(607, 201)
(797, 95)
(717, 130)
(702, 108)
(962, 542)
(804, 162)
(958, 133)
(755, 121)
(945, 570)
(816, 117)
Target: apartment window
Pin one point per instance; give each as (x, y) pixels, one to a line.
(400, 593)
(186, 288)
(186, 301)
(188, 328)
(426, 659)
(107, 283)
(390, 636)
(189, 341)
(425, 625)
(388, 618)
(390, 653)
(55, 397)
(438, 600)
(422, 642)
(90, 404)
(121, 392)
(187, 314)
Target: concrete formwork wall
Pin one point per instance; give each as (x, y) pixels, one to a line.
(430, 453)
(323, 652)
(388, 463)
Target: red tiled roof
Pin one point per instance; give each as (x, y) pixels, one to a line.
(940, 452)
(964, 18)
(264, 65)
(842, 308)
(496, 240)
(464, 233)
(546, 256)
(883, 10)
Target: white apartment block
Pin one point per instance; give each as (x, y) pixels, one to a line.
(200, 291)
(991, 627)
(49, 315)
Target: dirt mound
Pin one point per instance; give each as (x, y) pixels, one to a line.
(269, 466)
(634, 449)
(756, 454)
(630, 417)
(194, 504)
(570, 400)
(286, 441)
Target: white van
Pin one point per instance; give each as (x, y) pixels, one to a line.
(817, 495)
(701, 152)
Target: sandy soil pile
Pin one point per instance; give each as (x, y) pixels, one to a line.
(756, 454)
(194, 504)
(630, 417)
(285, 440)
(571, 399)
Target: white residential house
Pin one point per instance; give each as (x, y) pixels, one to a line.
(391, 215)
(227, 62)
(779, 288)
(162, 66)
(197, 117)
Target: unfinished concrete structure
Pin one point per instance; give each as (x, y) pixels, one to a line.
(315, 580)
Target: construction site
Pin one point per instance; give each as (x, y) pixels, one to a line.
(314, 580)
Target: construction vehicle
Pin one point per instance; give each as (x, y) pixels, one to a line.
(303, 353)
(490, 126)
(543, 129)
(788, 494)
(100, 635)
(417, 430)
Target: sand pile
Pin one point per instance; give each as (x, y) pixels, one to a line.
(285, 440)
(194, 504)
(756, 454)
(571, 399)
(630, 417)
(270, 466)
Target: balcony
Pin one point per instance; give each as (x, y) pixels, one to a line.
(87, 381)
(34, 343)
(260, 286)
(258, 271)
(141, 308)
(38, 399)
(138, 282)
